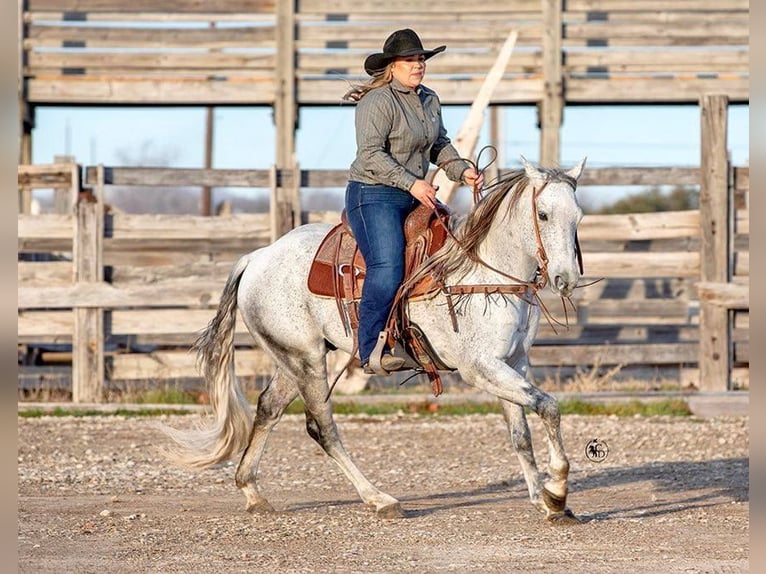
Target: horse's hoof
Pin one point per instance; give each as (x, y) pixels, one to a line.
(259, 507)
(554, 502)
(564, 517)
(390, 511)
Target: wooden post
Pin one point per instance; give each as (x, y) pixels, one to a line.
(26, 112)
(286, 120)
(65, 199)
(551, 107)
(88, 336)
(206, 199)
(497, 139)
(716, 244)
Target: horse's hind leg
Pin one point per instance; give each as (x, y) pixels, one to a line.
(521, 439)
(321, 427)
(272, 402)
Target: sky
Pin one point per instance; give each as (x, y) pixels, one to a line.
(244, 138)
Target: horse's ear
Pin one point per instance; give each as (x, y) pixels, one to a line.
(576, 171)
(534, 174)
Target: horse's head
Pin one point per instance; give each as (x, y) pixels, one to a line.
(555, 220)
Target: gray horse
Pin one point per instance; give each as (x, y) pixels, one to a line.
(520, 236)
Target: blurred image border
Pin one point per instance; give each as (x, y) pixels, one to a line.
(9, 63)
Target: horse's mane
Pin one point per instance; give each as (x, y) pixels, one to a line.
(472, 229)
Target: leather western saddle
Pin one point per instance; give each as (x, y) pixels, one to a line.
(338, 271)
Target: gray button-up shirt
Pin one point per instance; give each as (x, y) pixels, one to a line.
(399, 132)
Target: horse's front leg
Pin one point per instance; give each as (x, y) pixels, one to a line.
(496, 377)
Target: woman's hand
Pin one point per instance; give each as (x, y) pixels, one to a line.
(424, 192)
(473, 178)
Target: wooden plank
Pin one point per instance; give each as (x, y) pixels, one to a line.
(742, 263)
(55, 176)
(173, 16)
(167, 6)
(419, 17)
(724, 295)
(657, 42)
(45, 326)
(201, 269)
(161, 227)
(154, 258)
(689, 33)
(166, 321)
(454, 7)
(741, 185)
(642, 89)
(640, 176)
(741, 352)
(108, 73)
(447, 62)
(600, 334)
(656, 5)
(632, 60)
(180, 177)
(607, 355)
(199, 247)
(180, 364)
(248, 37)
(108, 91)
(741, 320)
(179, 293)
(640, 226)
(641, 265)
(458, 90)
(45, 226)
(116, 64)
(742, 178)
(642, 311)
(455, 34)
(44, 273)
(668, 15)
(168, 364)
(625, 89)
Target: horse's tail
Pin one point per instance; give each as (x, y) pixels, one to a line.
(226, 435)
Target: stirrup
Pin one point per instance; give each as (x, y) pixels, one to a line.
(377, 353)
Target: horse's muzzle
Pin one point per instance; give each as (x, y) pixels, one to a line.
(564, 285)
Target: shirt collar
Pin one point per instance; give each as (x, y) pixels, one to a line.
(397, 85)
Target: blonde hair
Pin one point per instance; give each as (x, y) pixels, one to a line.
(358, 91)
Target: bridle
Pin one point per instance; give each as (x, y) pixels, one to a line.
(526, 290)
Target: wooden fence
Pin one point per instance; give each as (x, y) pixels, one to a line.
(675, 288)
(292, 53)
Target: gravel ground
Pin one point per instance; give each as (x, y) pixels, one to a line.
(672, 496)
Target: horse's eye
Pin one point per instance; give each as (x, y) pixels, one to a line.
(542, 216)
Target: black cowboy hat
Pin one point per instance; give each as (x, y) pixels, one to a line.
(400, 44)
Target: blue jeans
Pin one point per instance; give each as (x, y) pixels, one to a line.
(376, 214)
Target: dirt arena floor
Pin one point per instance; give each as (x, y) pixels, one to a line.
(671, 496)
